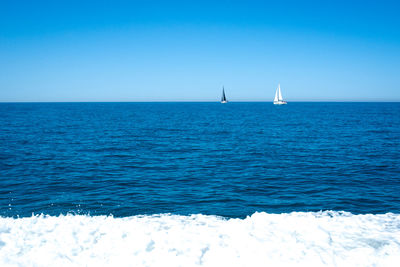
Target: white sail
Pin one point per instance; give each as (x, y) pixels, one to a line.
(276, 96)
(279, 94)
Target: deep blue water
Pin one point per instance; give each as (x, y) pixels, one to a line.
(184, 158)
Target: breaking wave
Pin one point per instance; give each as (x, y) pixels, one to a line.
(291, 239)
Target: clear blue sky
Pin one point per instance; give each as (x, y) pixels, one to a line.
(187, 50)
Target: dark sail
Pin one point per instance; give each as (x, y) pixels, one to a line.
(223, 98)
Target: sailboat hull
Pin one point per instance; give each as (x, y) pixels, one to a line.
(280, 102)
(224, 102)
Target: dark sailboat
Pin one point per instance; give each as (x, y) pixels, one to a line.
(223, 98)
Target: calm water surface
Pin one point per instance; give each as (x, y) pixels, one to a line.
(185, 158)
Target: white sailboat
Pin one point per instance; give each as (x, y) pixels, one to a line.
(223, 98)
(278, 100)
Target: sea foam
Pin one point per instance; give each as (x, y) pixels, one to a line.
(262, 239)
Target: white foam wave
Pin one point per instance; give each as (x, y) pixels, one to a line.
(293, 239)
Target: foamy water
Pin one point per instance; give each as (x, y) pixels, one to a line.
(293, 239)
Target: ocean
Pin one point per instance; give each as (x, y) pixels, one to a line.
(200, 184)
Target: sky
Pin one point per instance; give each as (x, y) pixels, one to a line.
(72, 50)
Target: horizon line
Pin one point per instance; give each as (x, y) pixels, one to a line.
(209, 101)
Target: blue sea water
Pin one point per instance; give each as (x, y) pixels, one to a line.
(189, 158)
